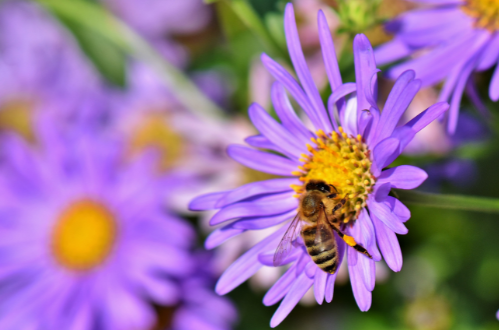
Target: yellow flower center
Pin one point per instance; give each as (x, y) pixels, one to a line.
(16, 115)
(486, 13)
(84, 235)
(153, 132)
(342, 161)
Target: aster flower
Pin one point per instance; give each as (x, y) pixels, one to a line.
(87, 242)
(457, 37)
(352, 157)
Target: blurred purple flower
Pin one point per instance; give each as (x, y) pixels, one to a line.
(39, 60)
(159, 20)
(87, 242)
(367, 140)
(458, 37)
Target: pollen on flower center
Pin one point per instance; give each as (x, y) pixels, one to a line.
(84, 235)
(344, 162)
(486, 13)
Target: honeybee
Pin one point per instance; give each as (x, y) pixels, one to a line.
(317, 226)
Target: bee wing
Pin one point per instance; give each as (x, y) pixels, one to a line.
(286, 245)
(323, 227)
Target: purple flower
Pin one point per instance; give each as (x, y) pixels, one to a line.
(454, 38)
(87, 242)
(352, 157)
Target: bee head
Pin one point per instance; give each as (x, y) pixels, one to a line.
(318, 185)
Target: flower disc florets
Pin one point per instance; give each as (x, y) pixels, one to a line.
(486, 13)
(342, 161)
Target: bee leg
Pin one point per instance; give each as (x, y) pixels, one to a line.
(351, 242)
(339, 205)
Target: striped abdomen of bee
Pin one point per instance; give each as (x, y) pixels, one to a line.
(321, 246)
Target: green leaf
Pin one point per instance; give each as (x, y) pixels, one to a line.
(456, 202)
(96, 20)
(107, 58)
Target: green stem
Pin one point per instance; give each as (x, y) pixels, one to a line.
(456, 202)
(99, 21)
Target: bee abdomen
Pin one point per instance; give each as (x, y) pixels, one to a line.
(323, 253)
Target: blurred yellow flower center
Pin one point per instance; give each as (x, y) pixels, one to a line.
(486, 13)
(16, 115)
(83, 235)
(154, 132)
(342, 161)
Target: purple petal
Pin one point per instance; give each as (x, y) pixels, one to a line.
(297, 291)
(391, 51)
(348, 117)
(328, 52)
(339, 93)
(320, 285)
(490, 54)
(400, 97)
(246, 265)
(494, 85)
(281, 75)
(267, 259)
(206, 202)
(384, 154)
(274, 132)
(330, 286)
(382, 212)
(381, 191)
(221, 235)
(255, 223)
(365, 67)
(266, 205)
(262, 161)
(403, 177)
(260, 141)
(367, 235)
(419, 122)
(286, 113)
(389, 245)
(301, 68)
(256, 188)
(280, 287)
(363, 297)
(400, 210)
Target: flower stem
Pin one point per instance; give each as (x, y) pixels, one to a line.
(98, 20)
(456, 202)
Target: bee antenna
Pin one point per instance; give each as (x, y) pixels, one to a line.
(333, 187)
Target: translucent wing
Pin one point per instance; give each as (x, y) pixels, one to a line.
(286, 243)
(324, 230)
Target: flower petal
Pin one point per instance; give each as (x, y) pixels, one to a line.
(494, 85)
(246, 265)
(274, 132)
(328, 52)
(400, 210)
(384, 154)
(365, 68)
(287, 114)
(363, 297)
(320, 285)
(297, 291)
(221, 235)
(262, 161)
(259, 222)
(382, 212)
(391, 51)
(207, 201)
(280, 287)
(301, 68)
(256, 188)
(403, 177)
(389, 245)
(266, 205)
(260, 141)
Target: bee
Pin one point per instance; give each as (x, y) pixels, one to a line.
(316, 223)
